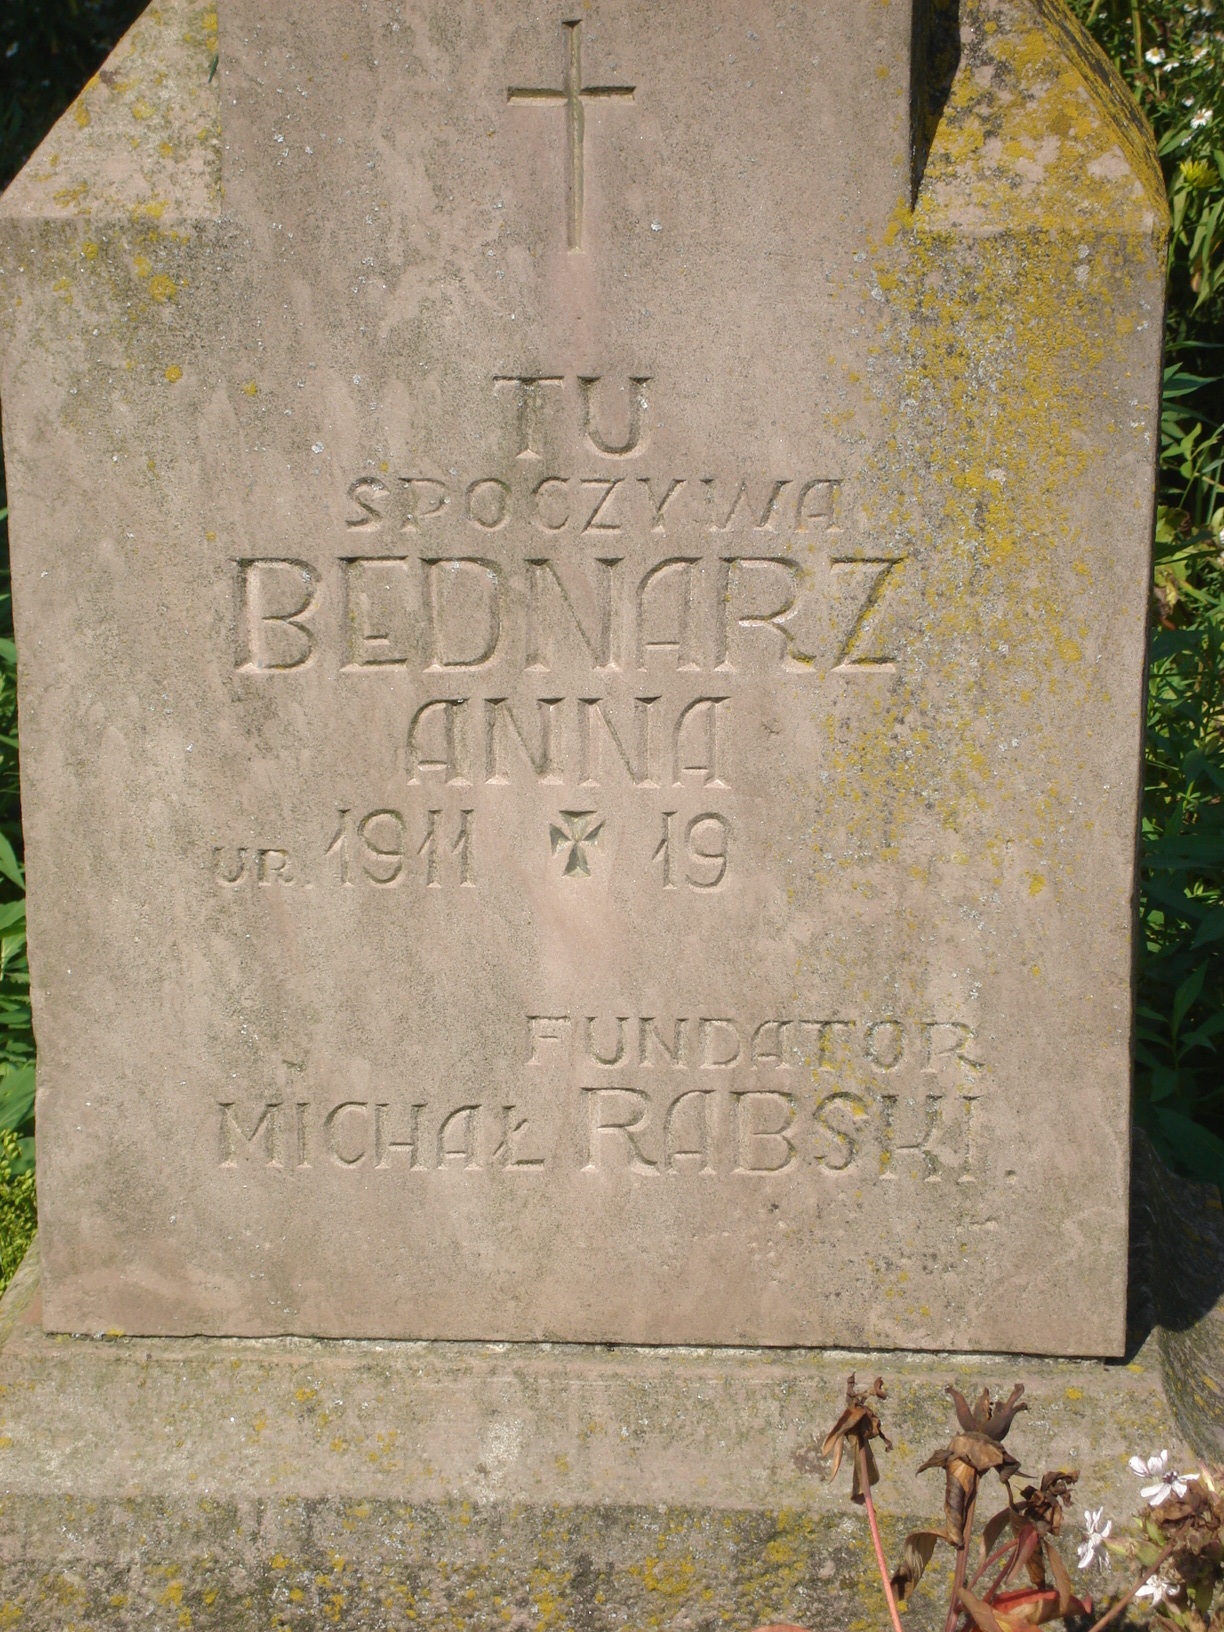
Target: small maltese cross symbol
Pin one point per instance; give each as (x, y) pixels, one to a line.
(582, 827)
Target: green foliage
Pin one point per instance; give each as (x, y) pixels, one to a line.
(17, 1203)
(1172, 54)
(18, 1214)
(16, 1034)
(1180, 1088)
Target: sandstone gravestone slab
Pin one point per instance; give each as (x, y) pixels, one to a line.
(246, 1483)
(581, 673)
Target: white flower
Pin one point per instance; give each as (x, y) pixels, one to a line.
(1154, 1464)
(1168, 1482)
(1201, 118)
(1155, 56)
(1094, 1541)
(1157, 1588)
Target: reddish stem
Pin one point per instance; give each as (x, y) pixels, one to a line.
(875, 1537)
(999, 1552)
(989, 1595)
(962, 1560)
(1012, 1547)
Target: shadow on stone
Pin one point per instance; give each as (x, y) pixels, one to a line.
(936, 57)
(1177, 1289)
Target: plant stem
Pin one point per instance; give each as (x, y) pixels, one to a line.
(1092, 11)
(1137, 25)
(1012, 1564)
(1112, 1614)
(1013, 1550)
(962, 1560)
(999, 1552)
(875, 1537)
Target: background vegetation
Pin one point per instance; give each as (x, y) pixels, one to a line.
(1172, 56)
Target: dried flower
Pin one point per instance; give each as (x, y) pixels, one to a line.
(1042, 1505)
(860, 1423)
(973, 1452)
(968, 1455)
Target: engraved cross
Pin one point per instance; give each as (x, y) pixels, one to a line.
(572, 95)
(582, 828)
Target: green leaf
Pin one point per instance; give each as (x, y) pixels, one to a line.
(16, 1097)
(1187, 994)
(9, 865)
(25, 1159)
(1201, 1036)
(1195, 1149)
(11, 914)
(1165, 1083)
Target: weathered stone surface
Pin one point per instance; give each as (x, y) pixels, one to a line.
(642, 855)
(249, 1482)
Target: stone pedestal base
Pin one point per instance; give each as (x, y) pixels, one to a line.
(244, 1484)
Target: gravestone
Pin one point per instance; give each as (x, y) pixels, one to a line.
(580, 579)
(581, 626)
